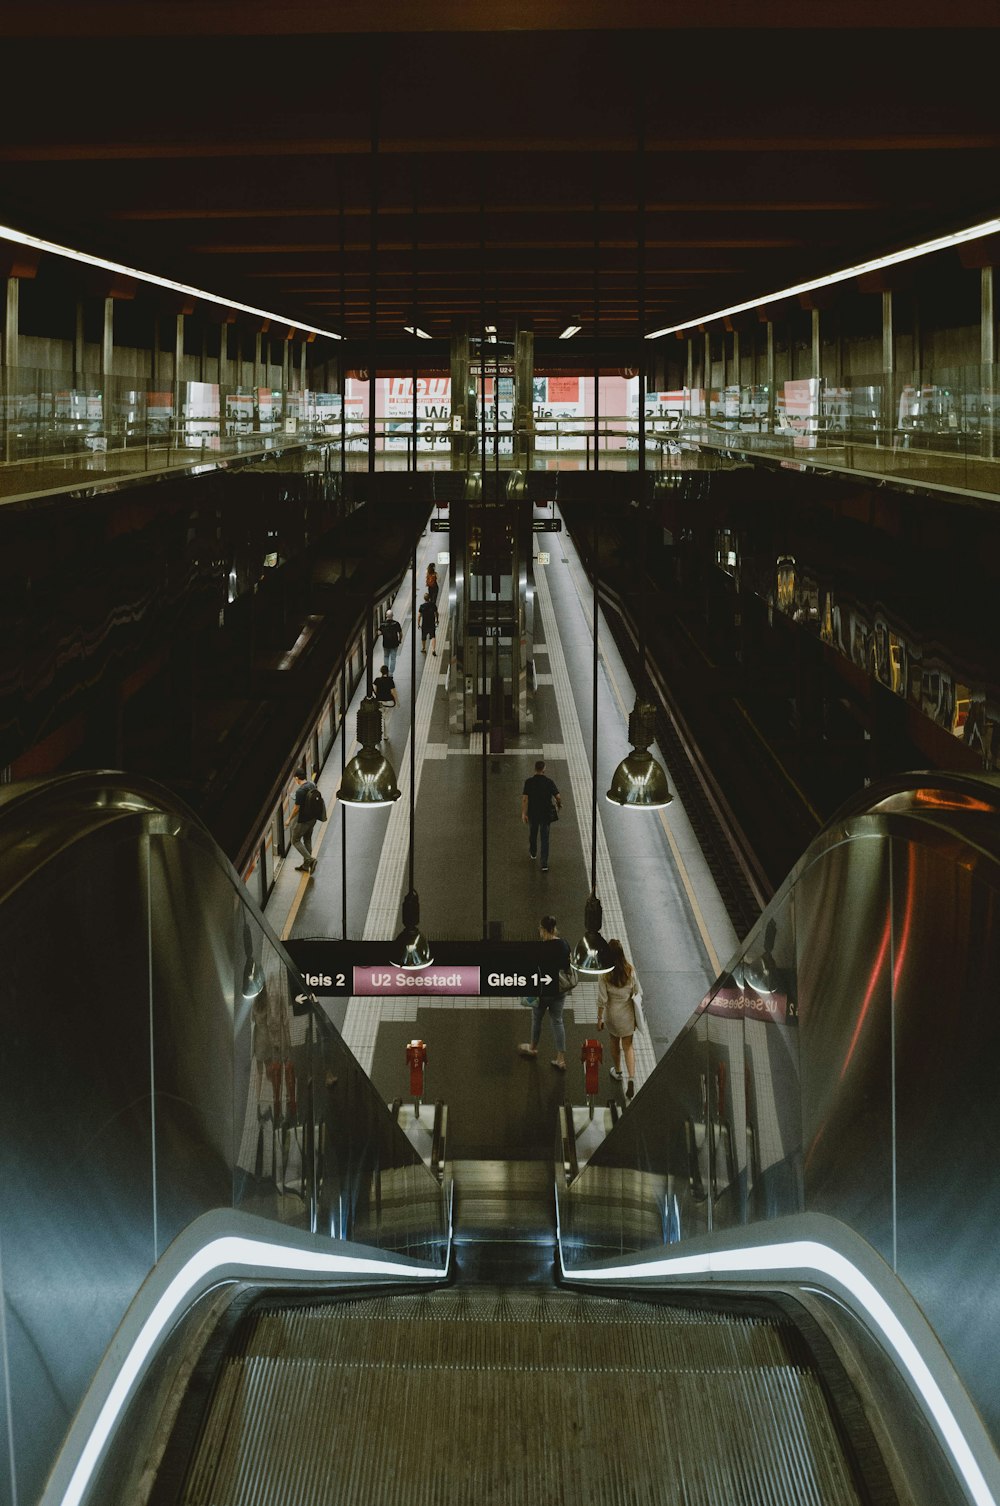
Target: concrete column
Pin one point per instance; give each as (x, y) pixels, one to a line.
(708, 370)
(178, 372)
(10, 358)
(772, 396)
(257, 363)
(10, 329)
(987, 348)
(690, 366)
(302, 366)
(108, 343)
(223, 354)
(737, 373)
(817, 347)
(79, 346)
(285, 352)
(154, 372)
(888, 370)
(203, 363)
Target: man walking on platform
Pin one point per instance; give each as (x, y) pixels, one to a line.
(309, 808)
(541, 803)
(392, 636)
(387, 697)
(427, 613)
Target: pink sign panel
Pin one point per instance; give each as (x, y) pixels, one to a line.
(737, 1005)
(418, 981)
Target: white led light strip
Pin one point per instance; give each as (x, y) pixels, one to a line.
(798, 1256)
(22, 238)
(220, 1256)
(958, 238)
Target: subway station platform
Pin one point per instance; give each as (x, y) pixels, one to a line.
(657, 894)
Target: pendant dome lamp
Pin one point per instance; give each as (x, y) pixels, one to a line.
(591, 956)
(639, 782)
(411, 950)
(369, 780)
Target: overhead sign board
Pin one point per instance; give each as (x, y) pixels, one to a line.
(339, 969)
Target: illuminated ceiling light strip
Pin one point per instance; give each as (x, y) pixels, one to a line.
(421, 334)
(570, 331)
(258, 1258)
(771, 1261)
(926, 248)
(21, 238)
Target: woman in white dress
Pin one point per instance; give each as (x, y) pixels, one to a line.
(615, 994)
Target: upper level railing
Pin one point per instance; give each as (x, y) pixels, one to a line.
(934, 428)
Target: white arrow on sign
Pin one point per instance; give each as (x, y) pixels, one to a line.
(544, 978)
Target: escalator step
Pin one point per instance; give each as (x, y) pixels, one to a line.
(483, 1397)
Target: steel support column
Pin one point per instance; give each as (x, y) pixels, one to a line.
(79, 345)
(769, 378)
(987, 356)
(108, 344)
(888, 370)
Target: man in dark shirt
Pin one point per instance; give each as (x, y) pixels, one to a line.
(427, 614)
(392, 636)
(540, 804)
(386, 695)
(300, 833)
(557, 955)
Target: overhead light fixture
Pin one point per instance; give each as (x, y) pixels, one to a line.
(411, 949)
(893, 259)
(414, 329)
(570, 331)
(369, 780)
(762, 973)
(52, 248)
(639, 783)
(592, 955)
(253, 975)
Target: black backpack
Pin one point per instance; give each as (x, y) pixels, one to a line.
(312, 805)
(392, 633)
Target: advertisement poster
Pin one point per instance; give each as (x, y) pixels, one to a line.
(559, 411)
(433, 412)
(663, 412)
(801, 411)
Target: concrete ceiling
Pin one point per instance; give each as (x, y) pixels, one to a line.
(593, 151)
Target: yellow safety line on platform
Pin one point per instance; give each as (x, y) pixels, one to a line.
(300, 892)
(675, 851)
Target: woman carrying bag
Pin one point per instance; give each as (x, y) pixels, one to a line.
(619, 1001)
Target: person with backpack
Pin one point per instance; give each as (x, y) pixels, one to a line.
(310, 807)
(392, 636)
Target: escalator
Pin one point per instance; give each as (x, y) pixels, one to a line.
(524, 1394)
(768, 1281)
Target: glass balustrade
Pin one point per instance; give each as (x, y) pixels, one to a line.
(934, 428)
(164, 1060)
